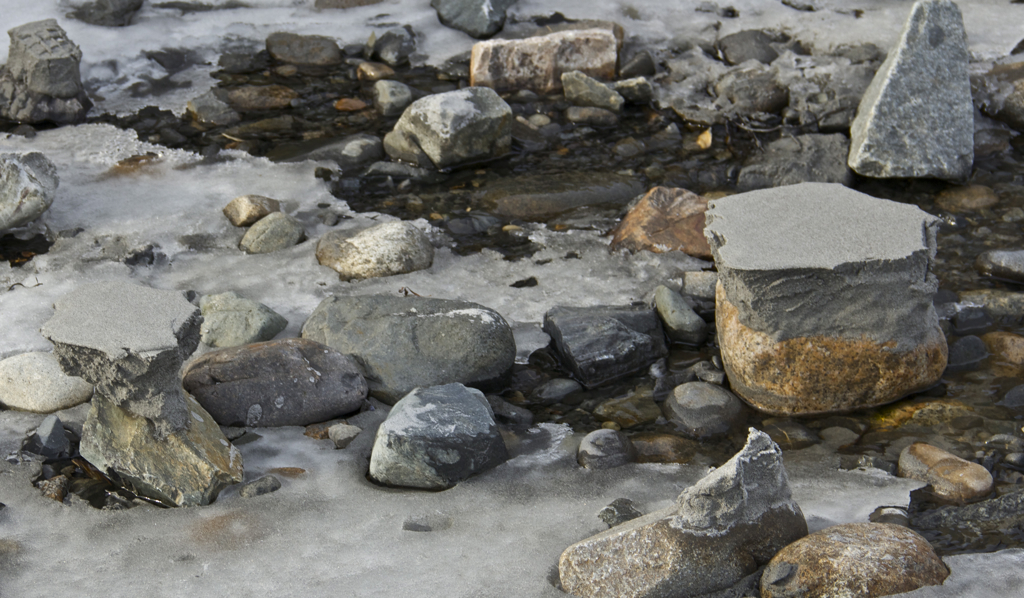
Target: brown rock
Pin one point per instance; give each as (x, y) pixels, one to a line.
(663, 448)
(305, 50)
(965, 199)
(55, 488)
(666, 219)
(997, 303)
(247, 209)
(261, 97)
(853, 559)
(798, 375)
(951, 477)
(1006, 346)
(630, 411)
(350, 105)
(374, 71)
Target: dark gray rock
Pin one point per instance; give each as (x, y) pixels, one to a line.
(108, 13)
(916, 119)
(230, 320)
(538, 197)
(704, 411)
(273, 232)
(966, 353)
(49, 439)
(619, 511)
(390, 98)
(28, 185)
(637, 90)
(605, 343)
(1014, 398)
(583, 90)
(993, 516)
(259, 486)
(640, 64)
(747, 45)
(395, 46)
(972, 320)
(350, 152)
(290, 382)
(509, 414)
(605, 449)
(808, 158)
(41, 81)
(435, 437)
(682, 324)
(400, 171)
(553, 391)
(1002, 264)
(408, 342)
(303, 50)
(210, 110)
(479, 18)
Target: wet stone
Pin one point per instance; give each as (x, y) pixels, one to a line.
(704, 411)
(1008, 265)
(634, 410)
(1005, 346)
(390, 98)
(230, 320)
(477, 18)
(663, 448)
(553, 391)
(808, 158)
(966, 353)
(508, 414)
(274, 232)
(619, 511)
(538, 197)
(966, 199)
(303, 50)
(588, 115)
(395, 46)
(747, 45)
(637, 90)
(971, 320)
(665, 219)
(350, 152)
(49, 439)
(210, 110)
(259, 486)
(245, 210)
(374, 71)
(582, 90)
(997, 302)
(952, 479)
(681, 323)
(1014, 398)
(640, 64)
(35, 382)
(788, 434)
(252, 98)
(386, 249)
(28, 186)
(605, 449)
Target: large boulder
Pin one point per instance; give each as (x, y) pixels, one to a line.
(719, 530)
(478, 18)
(28, 184)
(41, 81)
(408, 342)
(916, 119)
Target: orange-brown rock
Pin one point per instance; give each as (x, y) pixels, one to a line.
(952, 478)
(663, 448)
(1005, 346)
(261, 97)
(965, 199)
(666, 219)
(350, 105)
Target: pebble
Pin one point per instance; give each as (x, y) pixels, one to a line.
(260, 486)
(967, 199)
(390, 98)
(966, 353)
(619, 511)
(952, 479)
(374, 71)
(605, 449)
(637, 90)
(640, 64)
(554, 390)
(273, 232)
(245, 210)
(971, 320)
(704, 411)
(35, 382)
(682, 324)
(747, 45)
(350, 105)
(1008, 265)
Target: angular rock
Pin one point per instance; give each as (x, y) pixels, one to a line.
(853, 559)
(290, 382)
(605, 343)
(187, 467)
(479, 18)
(350, 152)
(435, 437)
(640, 64)
(508, 414)
(383, 250)
(209, 110)
(250, 98)
(395, 46)
(343, 434)
(390, 98)
(682, 324)
(303, 50)
(619, 511)
(374, 71)
(704, 411)
(408, 342)
(605, 449)
(808, 158)
(824, 298)
(28, 185)
(1008, 265)
(130, 342)
(533, 197)
(41, 81)
(108, 13)
(49, 440)
(582, 90)
(229, 321)
(273, 232)
(720, 530)
(666, 219)
(699, 284)
(453, 127)
(537, 63)
(34, 382)
(747, 45)
(951, 478)
(916, 119)
(749, 90)
(245, 210)
(637, 90)
(259, 487)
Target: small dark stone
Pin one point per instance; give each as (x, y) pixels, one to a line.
(263, 485)
(972, 320)
(526, 282)
(1014, 399)
(966, 353)
(640, 64)
(605, 449)
(742, 46)
(619, 511)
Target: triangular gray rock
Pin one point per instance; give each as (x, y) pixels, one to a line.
(916, 119)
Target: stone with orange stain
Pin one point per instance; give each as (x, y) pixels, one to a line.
(952, 478)
(1005, 346)
(350, 105)
(666, 219)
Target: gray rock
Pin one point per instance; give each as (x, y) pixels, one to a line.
(640, 64)
(209, 110)
(637, 90)
(245, 210)
(604, 343)
(703, 410)
(971, 320)
(41, 81)
(509, 414)
(605, 449)
(589, 115)
(455, 341)
(748, 90)
(1002, 264)
(916, 119)
(699, 284)
(1014, 398)
(539, 197)
(453, 127)
(49, 439)
(554, 390)
(619, 511)
(259, 487)
(34, 382)
(108, 13)
(808, 158)
(682, 324)
(350, 152)
(28, 185)
(390, 98)
(436, 437)
(972, 521)
(479, 18)
(343, 434)
(129, 341)
(383, 250)
(587, 91)
(290, 382)
(229, 321)
(303, 50)
(273, 232)
(720, 530)
(395, 46)
(966, 353)
(747, 45)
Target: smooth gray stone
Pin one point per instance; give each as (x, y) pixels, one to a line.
(509, 414)
(788, 258)
(259, 486)
(349, 152)
(395, 46)
(916, 119)
(583, 90)
(539, 197)
(1002, 264)
(390, 98)
(1014, 398)
(682, 324)
(637, 90)
(553, 391)
(808, 158)
(403, 171)
(605, 449)
(704, 410)
(210, 110)
(747, 45)
(230, 320)
(273, 232)
(436, 437)
(303, 50)
(108, 13)
(34, 382)
(478, 18)
(408, 342)
(28, 185)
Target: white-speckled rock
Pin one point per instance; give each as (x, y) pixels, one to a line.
(383, 250)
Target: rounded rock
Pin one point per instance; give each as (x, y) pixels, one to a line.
(272, 233)
(967, 199)
(1008, 265)
(247, 209)
(704, 410)
(952, 478)
(259, 486)
(35, 382)
(605, 449)
(383, 250)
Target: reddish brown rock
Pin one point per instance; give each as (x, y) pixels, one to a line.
(663, 448)
(666, 219)
(261, 97)
(951, 477)
(350, 105)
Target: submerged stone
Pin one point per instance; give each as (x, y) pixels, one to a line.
(537, 197)
(303, 50)
(28, 185)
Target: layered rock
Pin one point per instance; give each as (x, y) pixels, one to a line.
(28, 185)
(41, 81)
(824, 299)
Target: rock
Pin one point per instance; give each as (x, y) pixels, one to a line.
(383, 250)
(303, 50)
(508, 414)
(478, 18)
(41, 81)
(435, 437)
(390, 98)
(619, 511)
(107, 13)
(350, 105)
(640, 64)
(666, 219)
(251, 98)
(343, 434)
(951, 478)
(55, 488)
(604, 343)
(539, 197)
(966, 199)
(749, 90)
(273, 232)
(916, 119)
(704, 411)
(699, 284)
(971, 320)
(588, 115)
(229, 321)
(34, 382)
(788, 434)
(637, 409)
(974, 521)
(49, 439)
(290, 382)
(997, 302)
(1008, 265)
(637, 90)
(587, 91)
(810, 158)
(1005, 346)
(720, 530)
(853, 559)
(245, 210)
(966, 353)
(209, 110)
(28, 185)
(867, 335)
(187, 467)
(747, 45)
(605, 449)
(395, 46)
(350, 152)
(663, 448)
(374, 71)
(453, 127)
(259, 486)
(682, 324)
(456, 341)
(537, 63)
(321, 4)
(554, 390)
(1014, 398)
(129, 341)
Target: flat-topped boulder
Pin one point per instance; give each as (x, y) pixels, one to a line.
(41, 80)
(824, 298)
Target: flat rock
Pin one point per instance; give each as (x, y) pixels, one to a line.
(260, 486)
(303, 50)
(834, 280)
(478, 18)
(383, 250)
(1008, 265)
(916, 119)
(34, 382)
(28, 185)
(605, 449)
(230, 320)
(290, 382)
(681, 323)
(107, 13)
(41, 80)
(209, 110)
(666, 219)
(435, 437)
(245, 210)
(719, 530)
(810, 158)
(704, 411)
(455, 341)
(583, 90)
(537, 197)
(350, 152)
(637, 409)
(591, 116)
(853, 559)
(951, 478)
(273, 232)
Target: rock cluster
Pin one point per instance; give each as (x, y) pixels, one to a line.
(41, 80)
